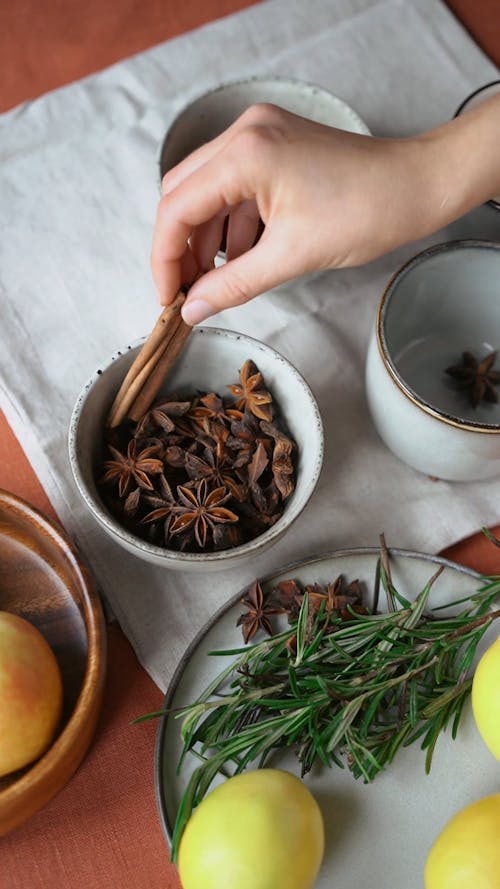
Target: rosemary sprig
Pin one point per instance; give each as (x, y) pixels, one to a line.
(338, 691)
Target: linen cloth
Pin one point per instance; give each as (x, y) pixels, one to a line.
(78, 193)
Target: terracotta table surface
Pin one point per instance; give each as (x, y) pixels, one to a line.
(102, 830)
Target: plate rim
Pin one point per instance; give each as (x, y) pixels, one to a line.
(161, 803)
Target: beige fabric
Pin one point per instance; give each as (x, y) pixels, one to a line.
(78, 191)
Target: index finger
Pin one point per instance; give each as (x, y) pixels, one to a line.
(207, 191)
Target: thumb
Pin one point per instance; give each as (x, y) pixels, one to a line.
(259, 269)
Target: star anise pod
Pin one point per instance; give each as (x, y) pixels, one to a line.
(216, 471)
(262, 508)
(477, 378)
(288, 595)
(200, 509)
(250, 394)
(258, 613)
(244, 434)
(226, 536)
(131, 504)
(335, 597)
(164, 507)
(215, 437)
(258, 463)
(211, 407)
(137, 466)
(175, 457)
(162, 415)
(282, 464)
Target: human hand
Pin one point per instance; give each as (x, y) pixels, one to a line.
(327, 199)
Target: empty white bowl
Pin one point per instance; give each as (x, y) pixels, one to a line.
(211, 113)
(442, 303)
(211, 359)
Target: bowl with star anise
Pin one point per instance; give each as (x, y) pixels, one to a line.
(216, 469)
(433, 365)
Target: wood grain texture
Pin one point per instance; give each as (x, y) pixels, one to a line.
(43, 580)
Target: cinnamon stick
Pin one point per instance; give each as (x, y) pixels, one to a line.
(127, 396)
(140, 371)
(155, 379)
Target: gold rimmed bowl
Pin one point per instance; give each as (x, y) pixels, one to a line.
(432, 371)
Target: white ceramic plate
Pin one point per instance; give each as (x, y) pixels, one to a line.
(378, 834)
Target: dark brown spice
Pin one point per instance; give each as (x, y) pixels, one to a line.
(287, 598)
(476, 378)
(132, 466)
(259, 611)
(201, 474)
(250, 393)
(164, 507)
(200, 510)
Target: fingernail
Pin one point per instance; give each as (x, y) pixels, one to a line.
(196, 310)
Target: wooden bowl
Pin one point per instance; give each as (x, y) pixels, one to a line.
(43, 580)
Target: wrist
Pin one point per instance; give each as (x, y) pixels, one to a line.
(460, 163)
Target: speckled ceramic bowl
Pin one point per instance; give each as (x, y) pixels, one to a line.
(442, 303)
(211, 359)
(210, 114)
(475, 98)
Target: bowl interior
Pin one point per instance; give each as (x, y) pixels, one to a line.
(210, 361)
(214, 111)
(444, 302)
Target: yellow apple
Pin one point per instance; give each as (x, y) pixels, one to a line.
(262, 829)
(30, 693)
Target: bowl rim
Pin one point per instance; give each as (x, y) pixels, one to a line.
(170, 556)
(419, 258)
(432, 558)
(294, 82)
(462, 107)
(64, 747)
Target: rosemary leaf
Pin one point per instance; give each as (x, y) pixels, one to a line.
(339, 688)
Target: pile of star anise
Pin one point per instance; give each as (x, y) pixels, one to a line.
(286, 598)
(203, 473)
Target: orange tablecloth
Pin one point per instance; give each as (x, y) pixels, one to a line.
(102, 830)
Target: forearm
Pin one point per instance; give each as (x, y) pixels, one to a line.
(370, 196)
(463, 162)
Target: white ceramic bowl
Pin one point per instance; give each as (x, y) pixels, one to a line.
(475, 98)
(211, 359)
(444, 301)
(211, 113)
